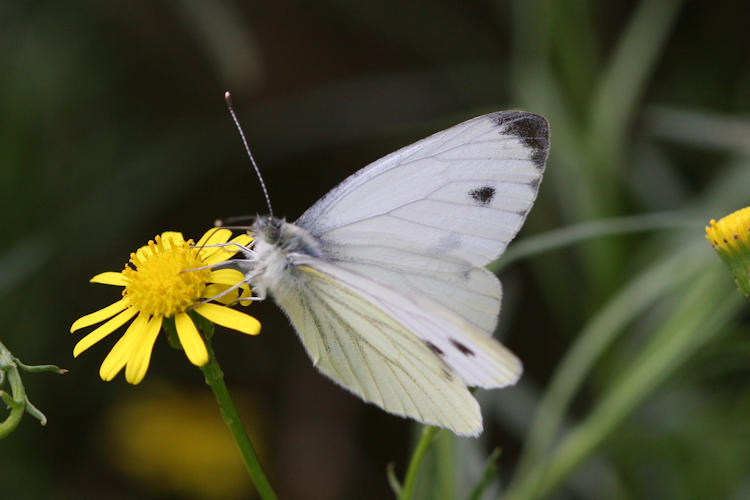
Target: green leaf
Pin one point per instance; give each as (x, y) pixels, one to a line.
(490, 471)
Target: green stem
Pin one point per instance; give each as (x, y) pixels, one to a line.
(215, 379)
(445, 457)
(428, 433)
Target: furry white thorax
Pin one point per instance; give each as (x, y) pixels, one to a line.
(276, 244)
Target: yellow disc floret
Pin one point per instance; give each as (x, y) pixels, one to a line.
(730, 234)
(163, 281)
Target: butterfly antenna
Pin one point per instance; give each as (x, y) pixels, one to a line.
(228, 99)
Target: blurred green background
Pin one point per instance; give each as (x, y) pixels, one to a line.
(636, 347)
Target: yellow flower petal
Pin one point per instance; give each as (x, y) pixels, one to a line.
(213, 258)
(98, 316)
(210, 254)
(192, 343)
(110, 278)
(230, 318)
(243, 239)
(212, 292)
(214, 236)
(219, 256)
(104, 330)
(246, 294)
(120, 353)
(227, 276)
(227, 252)
(141, 355)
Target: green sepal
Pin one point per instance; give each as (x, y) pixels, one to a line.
(171, 330)
(41, 368)
(202, 324)
(739, 265)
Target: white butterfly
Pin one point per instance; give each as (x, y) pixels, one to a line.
(383, 278)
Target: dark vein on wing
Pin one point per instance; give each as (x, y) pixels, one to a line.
(354, 343)
(321, 332)
(354, 337)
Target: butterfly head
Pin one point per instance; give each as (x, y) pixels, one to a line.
(284, 237)
(267, 229)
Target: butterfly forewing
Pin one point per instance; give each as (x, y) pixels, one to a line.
(464, 191)
(456, 198)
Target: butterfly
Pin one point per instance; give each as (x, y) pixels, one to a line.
(384, 280)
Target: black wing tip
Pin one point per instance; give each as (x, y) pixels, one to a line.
(530, 128)
(507, 118)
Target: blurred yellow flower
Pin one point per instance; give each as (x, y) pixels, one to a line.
(195, 457)
(166, 279)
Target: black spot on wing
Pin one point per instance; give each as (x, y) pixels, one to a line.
(483, 195)
(434, 348)
(461, 347)
(531, 129)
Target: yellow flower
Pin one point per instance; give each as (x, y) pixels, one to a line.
(205, 466)
(730, 239)
(730, 234)
(164, 279)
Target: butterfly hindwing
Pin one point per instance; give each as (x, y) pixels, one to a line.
(477, 359)
(369, 352)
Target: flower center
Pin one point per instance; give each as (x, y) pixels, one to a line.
(158, 285)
